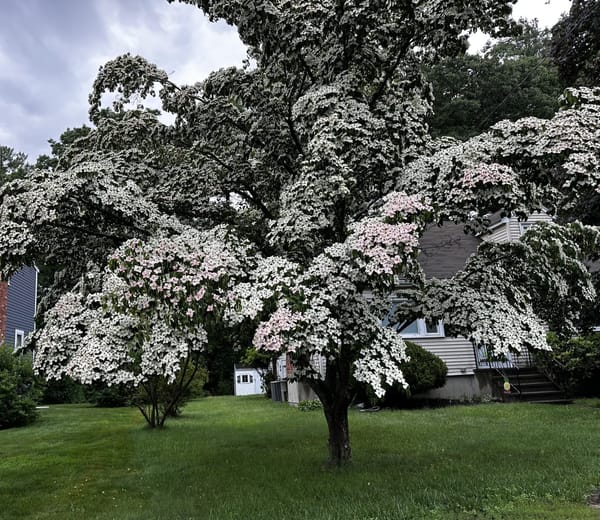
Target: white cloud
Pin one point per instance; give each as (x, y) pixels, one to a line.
(547, 12)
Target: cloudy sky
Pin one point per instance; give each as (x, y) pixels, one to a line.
(50, 52)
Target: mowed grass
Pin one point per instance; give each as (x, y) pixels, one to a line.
(249, 458)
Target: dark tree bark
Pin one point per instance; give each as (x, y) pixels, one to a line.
(340, 452)
(335, 395)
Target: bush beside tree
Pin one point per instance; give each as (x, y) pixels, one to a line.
(574, 364)
(63, 391)
(423, 371)
(19, 393)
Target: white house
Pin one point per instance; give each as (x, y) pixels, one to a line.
(248, 381)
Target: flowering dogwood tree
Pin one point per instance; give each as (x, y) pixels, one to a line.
(290, 194)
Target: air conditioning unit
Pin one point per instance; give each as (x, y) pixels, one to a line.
(276, 391)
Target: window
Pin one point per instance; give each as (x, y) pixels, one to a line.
(525, 226)
(422, 328)
(19, 339)
(416, 329)
(245, 378)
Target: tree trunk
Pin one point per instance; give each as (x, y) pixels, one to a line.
(340, 452)
(334, 391)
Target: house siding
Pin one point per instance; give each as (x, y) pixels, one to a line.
(457, 353)
(515, 226)
(500, 233)
(3, 303)
(21, 303)
(445, 250)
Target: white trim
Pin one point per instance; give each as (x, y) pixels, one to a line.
(35, 301)
(502, 221)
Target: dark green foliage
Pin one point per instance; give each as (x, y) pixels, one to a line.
(228, 348)
(574, 364)
(159, 399)
(576, 44)
(267, 379)
(66, 139)
(424, 371)
(18, 391)
(513, 78)
(63, 391)
(309, 406)
(107, 396)
(13, 165)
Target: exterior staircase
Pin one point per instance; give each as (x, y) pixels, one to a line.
(529, 385)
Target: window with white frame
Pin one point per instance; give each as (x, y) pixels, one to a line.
(417, 329)
(525, 226)
(422, 328)
(19, 339)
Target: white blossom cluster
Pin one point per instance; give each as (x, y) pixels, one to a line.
(378, 364)
(517, 166)
(83, 341)
(157, 296)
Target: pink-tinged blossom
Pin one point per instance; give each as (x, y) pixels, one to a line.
(488, 174)
(386, 246)
(399, 204)
(270, 335)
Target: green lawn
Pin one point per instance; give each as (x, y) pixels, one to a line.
(249, 458)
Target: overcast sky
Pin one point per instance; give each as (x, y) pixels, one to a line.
(50, 52)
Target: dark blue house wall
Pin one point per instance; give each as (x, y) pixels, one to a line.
(21, 303)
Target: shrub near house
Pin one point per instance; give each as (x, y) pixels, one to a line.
(423, 371)
(574, 363)
(18, 391)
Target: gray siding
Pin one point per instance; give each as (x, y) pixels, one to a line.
(515, 225)
(457, 353)
(499, 233)
(445, 249)
(21, 304)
